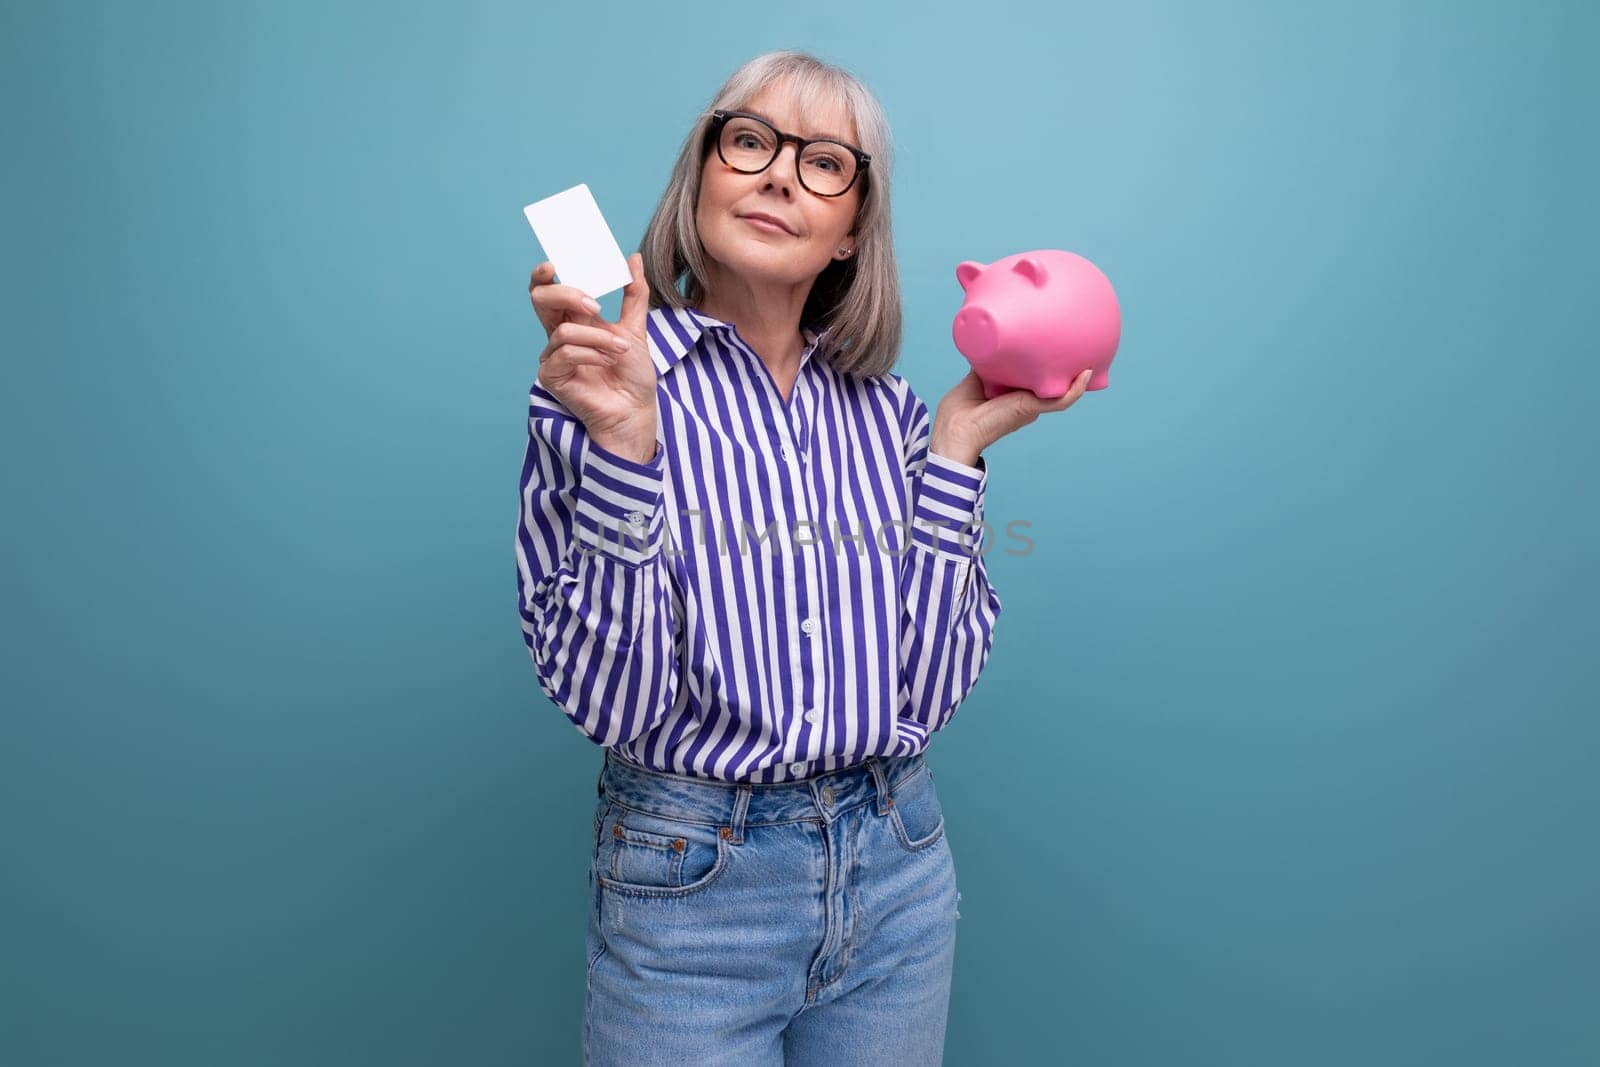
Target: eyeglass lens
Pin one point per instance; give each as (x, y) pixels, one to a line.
(749, 145)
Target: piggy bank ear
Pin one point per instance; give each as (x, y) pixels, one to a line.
(967, 270)
(1031, 269)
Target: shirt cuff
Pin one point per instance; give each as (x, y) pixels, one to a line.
(948, 515)
(910, 736)
(618, 512)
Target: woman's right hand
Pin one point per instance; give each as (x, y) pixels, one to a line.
(601, 371)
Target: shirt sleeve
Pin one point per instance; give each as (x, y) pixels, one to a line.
(593, 583)
(948, 606)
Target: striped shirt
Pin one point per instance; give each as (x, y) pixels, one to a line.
(785, 588)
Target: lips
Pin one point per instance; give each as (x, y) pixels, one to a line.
(762, 216)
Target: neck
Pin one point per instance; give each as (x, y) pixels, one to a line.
(767, 315)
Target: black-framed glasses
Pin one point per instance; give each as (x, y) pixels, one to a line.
(749, 143)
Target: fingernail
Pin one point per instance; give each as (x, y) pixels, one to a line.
(592, 304)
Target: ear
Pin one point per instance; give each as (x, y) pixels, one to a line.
(967, 270)
(1032, 270)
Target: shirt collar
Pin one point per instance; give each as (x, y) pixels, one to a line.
(675, 331)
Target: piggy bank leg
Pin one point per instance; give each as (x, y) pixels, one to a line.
(1098, 380)
(994, 389)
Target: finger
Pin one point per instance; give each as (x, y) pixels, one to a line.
(1070, 397)
(554, 296)
(563, 361)
(635, 297)
(544, 274)
(1041, 404)
(1017, 405)
(604, 337)
(556, 303)
(970, 384)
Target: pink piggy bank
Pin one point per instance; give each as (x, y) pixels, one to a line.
(1035, 321)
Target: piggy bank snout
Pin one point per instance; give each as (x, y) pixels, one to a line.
(976, 333)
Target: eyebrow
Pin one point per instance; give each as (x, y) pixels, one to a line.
(807, 136)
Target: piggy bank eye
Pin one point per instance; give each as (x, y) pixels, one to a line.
(1031, 269)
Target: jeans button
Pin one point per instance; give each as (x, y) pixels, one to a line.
(827, 794)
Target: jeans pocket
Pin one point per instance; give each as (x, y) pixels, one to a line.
(916, 815)
(642, 854)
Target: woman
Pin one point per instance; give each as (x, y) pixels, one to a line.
(747, 570)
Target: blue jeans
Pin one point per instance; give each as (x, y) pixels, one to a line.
(805, 922)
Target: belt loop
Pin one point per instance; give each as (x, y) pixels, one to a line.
(880, 782)
(734, 831)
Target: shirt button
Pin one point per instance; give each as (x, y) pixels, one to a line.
(809, 626)
(813, 716)
(797, 768)
(636, 517)
(783, 451)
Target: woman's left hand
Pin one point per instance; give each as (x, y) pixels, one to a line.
(966, 423)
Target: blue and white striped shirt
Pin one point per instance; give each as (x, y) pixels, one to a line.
(785, 588)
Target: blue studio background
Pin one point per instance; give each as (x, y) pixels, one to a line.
(1286, 753)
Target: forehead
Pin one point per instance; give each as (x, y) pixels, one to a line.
(816, 117)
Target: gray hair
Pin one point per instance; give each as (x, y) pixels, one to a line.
(856, 299)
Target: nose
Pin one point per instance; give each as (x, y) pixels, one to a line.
(792, 173)
(976, 334)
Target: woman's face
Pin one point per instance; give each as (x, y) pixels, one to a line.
(820, 226)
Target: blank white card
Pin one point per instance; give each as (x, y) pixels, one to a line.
(577, 240)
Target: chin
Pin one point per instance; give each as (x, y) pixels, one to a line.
(769, 262)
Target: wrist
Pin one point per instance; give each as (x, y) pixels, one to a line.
(950, 448)
(634, 451)
(635, 442)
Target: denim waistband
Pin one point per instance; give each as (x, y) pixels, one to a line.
(735, 805)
